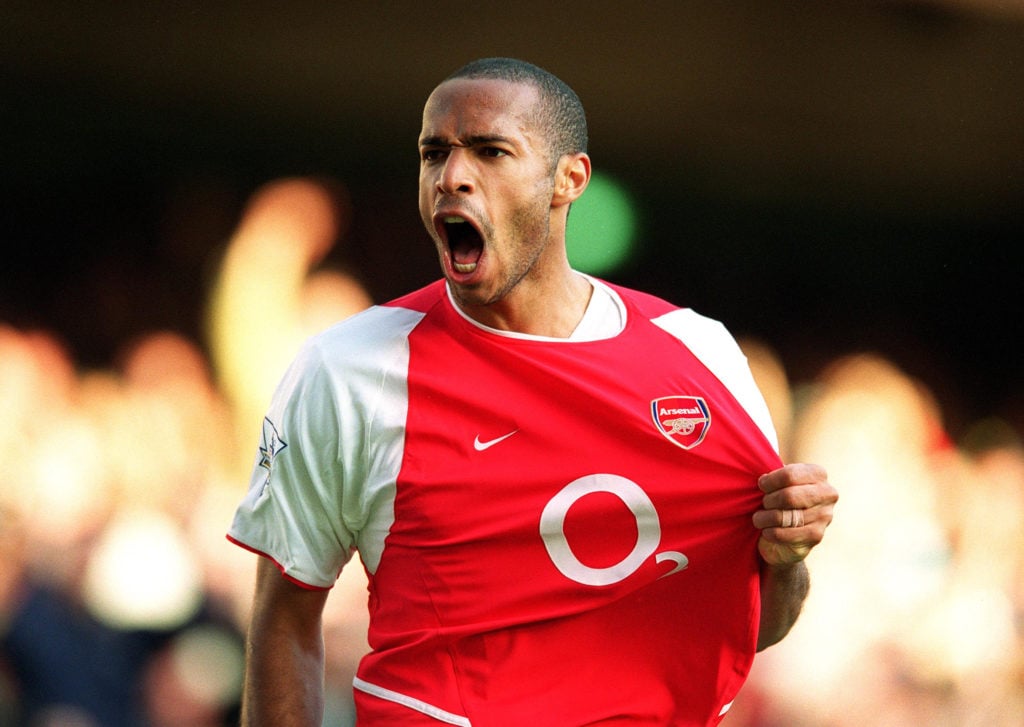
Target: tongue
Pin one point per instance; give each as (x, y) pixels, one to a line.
(466, 247)
(466, 252)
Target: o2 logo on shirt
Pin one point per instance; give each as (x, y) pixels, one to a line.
(552, 531)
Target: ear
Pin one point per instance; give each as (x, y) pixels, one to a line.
(571, 177)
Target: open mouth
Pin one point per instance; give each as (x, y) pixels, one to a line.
(464, 242)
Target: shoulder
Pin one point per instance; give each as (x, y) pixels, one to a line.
(647, 305)
(375, 331)
(354, 357)
(681, 322)
(421, 300)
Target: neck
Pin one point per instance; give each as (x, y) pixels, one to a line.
(552, 307)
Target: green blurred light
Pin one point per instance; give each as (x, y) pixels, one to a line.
(602, 227)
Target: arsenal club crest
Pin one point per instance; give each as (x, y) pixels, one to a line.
(684, 420)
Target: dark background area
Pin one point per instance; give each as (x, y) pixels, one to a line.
(828, 177)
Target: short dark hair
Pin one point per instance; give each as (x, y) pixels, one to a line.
(561, 112)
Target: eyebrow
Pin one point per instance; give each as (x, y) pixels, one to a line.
(477, 140)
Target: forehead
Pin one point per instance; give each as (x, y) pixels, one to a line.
(465, 107)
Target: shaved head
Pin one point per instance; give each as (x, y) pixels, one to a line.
(559, 115)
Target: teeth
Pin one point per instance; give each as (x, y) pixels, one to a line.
(463, 268)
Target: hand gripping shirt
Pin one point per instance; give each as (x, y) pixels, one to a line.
(556, 532)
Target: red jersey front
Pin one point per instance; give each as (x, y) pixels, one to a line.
(571, 539)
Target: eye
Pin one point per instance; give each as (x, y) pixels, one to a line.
(431, 155)
(492, 152)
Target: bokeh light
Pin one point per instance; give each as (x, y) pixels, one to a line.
(602, 226)
(142, 574)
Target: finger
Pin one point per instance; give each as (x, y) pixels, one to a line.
(818, 517)
(790, 475)
(800, 497)
(799, 538)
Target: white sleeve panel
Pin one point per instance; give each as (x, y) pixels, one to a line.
(324, 478)
(712, 343)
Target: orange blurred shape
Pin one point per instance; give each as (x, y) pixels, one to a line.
(163, 358)
(327, 297)
(291, 212)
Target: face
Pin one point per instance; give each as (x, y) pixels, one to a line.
(486, 187)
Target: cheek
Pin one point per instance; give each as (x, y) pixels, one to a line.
(535, 213)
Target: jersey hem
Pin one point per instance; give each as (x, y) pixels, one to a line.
(292, 579)
(405, 700)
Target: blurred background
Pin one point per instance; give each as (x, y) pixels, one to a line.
(187, 191)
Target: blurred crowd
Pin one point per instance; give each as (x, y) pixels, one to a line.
(122, 604)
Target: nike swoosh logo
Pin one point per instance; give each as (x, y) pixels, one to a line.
(481, 446)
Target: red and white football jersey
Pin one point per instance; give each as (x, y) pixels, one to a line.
(556, 532)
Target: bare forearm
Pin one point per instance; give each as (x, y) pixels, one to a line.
(783, 591)
(284, 673)
(283, 685)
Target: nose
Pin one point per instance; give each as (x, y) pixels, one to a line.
(456, 175)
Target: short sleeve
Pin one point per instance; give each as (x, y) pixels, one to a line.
(293, 510)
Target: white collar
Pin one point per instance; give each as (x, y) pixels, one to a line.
(605, 317)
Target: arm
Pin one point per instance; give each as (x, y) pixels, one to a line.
(284, 672)
(783, 590)
(798, 506)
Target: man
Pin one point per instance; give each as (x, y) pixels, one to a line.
(555, 484)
